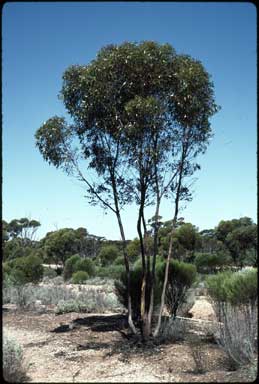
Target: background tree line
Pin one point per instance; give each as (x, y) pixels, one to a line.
(230, 243)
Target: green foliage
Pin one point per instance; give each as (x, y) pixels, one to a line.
(70, 264)
(23, 228)
(188, 236)
(27, 269)
(108, 254)
(135, 291)
(75, 264)
(79, 277)
(186, 240)
(85, 265)
(121, 102)
(234, 295)
(210, 243)
(13, 249)
(181, 276)
(17, 277)
(235, 288)
(209, 262)
(240, 237)
(133, 250)
(12, 363)
(6, 269)
(111, 271)
(119, 261)
(62, 244)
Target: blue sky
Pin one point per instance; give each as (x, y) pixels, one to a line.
(40, 40)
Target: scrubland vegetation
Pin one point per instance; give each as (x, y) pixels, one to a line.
(91, 279)
(139, 120)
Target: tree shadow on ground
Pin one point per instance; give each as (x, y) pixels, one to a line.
(97, 323)
(133, 345)
(103, 323)
(126, 346)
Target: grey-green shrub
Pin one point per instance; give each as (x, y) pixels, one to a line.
(26, 295)
(13, 365)
(49, 272)
(89, 300)
(198, 354)
(236, 288)
(172, 329)
(65, 306)
(79, 277)
(234, 295)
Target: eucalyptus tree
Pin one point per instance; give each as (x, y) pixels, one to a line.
(139, 119)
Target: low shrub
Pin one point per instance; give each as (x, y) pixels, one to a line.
(27, 269)
(236, 288)
(18, 277)
(49, 272)
(52, 294)
(104, 281)
(181, 276)
(198, 354)
(65, 306)
(25, 296)
(119, 261)
(234, 295)
(135, 291)
(172, 329)
(69, 268)
(79, 277)
(108, 254)
(13, 366)
(89, 300)
(6, 269)
(57, 280)
(111, 272)
(85, 265)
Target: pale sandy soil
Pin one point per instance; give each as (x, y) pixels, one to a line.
(87, 353)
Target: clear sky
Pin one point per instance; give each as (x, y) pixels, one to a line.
(40, 40)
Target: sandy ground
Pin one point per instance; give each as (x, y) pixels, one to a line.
(91, 348)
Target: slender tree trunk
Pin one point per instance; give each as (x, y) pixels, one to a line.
(177, 199)
(143, 284)
(165, 279)
(126, 259)
(155, 251)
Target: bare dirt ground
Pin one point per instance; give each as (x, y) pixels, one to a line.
(93, 348)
